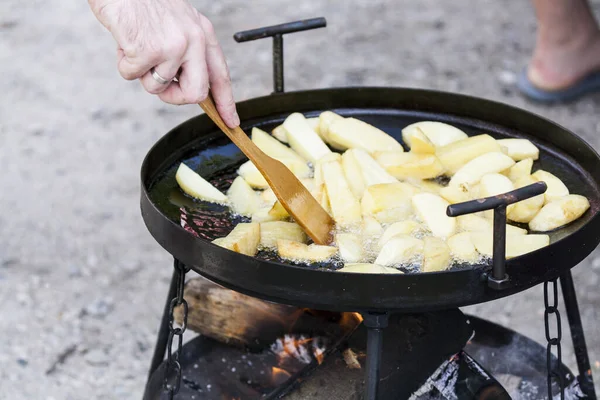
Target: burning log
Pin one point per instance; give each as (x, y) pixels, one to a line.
(234, 318)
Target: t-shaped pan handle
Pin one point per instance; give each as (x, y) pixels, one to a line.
(277, 32)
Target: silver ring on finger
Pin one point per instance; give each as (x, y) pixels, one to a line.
(159, 78)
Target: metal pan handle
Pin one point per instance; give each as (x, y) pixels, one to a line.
(277, 32)
(499, 278)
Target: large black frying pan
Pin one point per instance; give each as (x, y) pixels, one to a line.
(199, 144)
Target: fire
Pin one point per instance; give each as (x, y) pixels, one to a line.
(279, 376)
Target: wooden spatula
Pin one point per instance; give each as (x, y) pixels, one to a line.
(294, 197)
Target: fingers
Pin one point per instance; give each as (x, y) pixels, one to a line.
(218, 76)
(166, 70)
(192, 85)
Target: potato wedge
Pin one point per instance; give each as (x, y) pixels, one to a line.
(400, 250)
(252, 175)
(515, 245)
(278, 212)
(475, 223)
(356, 134)
(492, 185)
(244, 239)
(196, 186)
(271, 231)
(456, 194)
(556, 187)
(409, 165)
(268, 197)
(431, 209)
(280, 133)
(344, 206)
(262, 215)
(472, 172)
(520, 149)
(398, 228)
(303, 139)
(436, 254)
(438, 133)
(274, 148)
(559, 212)
(327, 118)
(396, 214)
(313, 122)
(454, 155)
(353, 174)
(420, 143)
(296, 251)
(525, 210)
(462, 248)
(425, 185)
(520, 169)
(242, 198)
(372, 172)
(350, 247)
(364, 268)
(371, 227)
(385, 196)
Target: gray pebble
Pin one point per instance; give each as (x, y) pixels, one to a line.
(100, 308)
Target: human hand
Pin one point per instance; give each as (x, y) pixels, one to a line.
(165, 36)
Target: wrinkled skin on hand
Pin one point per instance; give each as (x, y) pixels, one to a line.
(169, 35)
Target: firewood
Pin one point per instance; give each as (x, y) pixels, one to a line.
(234, 318)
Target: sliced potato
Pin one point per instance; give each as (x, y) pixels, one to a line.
(436, 254)
(372, 172)
(556, 188)
(493, 185)
(196, 186)
(364, 268)
(320, 194)
(400, 250)
(395, 214)
(520, 149)
(252, 175)
(420, 143)
(313, 122)
(263, 215)
(525, 210)
(274, 148)
(398, 228)
(410, 165)
(520, 169)
(425, 185)
(462, 248)
(297, 251)
(472, 172)
(454, 155)
(280, 133)
(456, 194)
(271, 231)
(318, 175)
(353, 174)
(356, 134)
(431, 209)
(559, 212)
(475, 223)
(344, 206)
(268, 197)
(371, 227)
(350, 247)
(278, 212)
(515, 245)
(303, 139)
(244, 239)
(386, 196)
(327, 118)
(242, 198)
(438, 133)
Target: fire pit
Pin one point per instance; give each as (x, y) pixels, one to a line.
(436, 355)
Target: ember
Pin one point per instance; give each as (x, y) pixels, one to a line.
(279, 376)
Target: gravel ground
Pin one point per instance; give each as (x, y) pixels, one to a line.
(82, 283)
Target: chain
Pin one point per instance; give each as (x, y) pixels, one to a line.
(173, 359)
(552, 308)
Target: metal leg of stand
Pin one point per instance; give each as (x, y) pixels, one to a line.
(586, 381)
(375, 324)
(163, 331)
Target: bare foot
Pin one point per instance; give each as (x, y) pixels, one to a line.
(558, 65)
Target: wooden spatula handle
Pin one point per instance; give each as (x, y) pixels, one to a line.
(236, 134)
